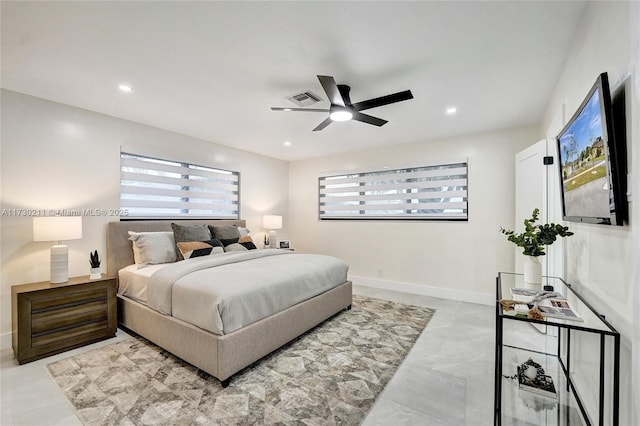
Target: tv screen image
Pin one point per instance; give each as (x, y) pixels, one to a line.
(586, 148)
(584, 165)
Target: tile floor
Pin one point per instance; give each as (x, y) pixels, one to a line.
(447, 378)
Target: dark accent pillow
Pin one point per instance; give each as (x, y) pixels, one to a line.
(235, 247)
(228, 234)
(190, 249)
(247, 242)
(186, 233)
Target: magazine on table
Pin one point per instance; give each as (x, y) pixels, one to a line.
(550, 303)
(558, 308)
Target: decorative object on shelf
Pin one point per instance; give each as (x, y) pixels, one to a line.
(284, 244)
(533, 312)
(94, 261)
(532, 378)
(533, 241)
(272, 222)
(58, 229)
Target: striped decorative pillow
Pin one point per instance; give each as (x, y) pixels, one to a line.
(190, 249)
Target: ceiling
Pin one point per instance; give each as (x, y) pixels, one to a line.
(213, 69)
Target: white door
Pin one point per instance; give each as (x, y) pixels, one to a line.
(531, 192)
(537, 185)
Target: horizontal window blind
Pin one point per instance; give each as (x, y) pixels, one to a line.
(163, 189)
(429, 192)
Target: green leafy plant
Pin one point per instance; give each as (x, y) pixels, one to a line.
(94, 259)
(535, 237)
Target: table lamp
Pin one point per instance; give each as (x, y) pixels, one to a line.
(272, 222)
(58, 229)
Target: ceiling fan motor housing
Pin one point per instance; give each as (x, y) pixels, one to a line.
(344, 92)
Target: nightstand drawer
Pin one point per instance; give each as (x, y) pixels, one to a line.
(68, 337)
(68, 316)
(44, 301)
(51, 318)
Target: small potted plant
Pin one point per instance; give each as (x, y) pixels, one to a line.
(533, 241)
(94, 261)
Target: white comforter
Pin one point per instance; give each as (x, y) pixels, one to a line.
(225, 292)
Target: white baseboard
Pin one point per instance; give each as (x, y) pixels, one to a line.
(423, 290)
(5, 341)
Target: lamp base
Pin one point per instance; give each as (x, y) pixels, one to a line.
(59, 264)
(272, 239)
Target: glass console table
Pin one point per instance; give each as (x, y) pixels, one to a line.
(582, 358)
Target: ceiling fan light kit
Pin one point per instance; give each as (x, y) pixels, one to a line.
(342, 109)
(339, 113)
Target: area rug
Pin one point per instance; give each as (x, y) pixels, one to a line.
(331, 375)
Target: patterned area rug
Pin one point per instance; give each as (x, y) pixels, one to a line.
(331, 375)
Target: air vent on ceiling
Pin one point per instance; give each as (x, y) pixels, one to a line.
(304, 99)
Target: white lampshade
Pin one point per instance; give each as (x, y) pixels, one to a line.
(58, 228)
(272, 221)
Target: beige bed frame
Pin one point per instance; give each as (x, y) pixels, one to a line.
(220, 356)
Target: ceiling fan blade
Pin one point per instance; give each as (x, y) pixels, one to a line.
(331, 89)
(298, 109)
(324, 124)
(383, 100)
(368, 119)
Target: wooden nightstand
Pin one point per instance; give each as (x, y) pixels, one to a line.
(47, 319)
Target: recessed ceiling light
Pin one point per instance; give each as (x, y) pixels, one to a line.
(451, 110)
(287, 143)
(125, 88)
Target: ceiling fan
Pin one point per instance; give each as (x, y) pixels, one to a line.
(342, 109)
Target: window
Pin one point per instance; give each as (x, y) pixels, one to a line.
(428, 192)
(163, 189)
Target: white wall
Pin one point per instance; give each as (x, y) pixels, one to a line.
(634, 110)
(55, 156)
(601, 259)
(451, 259)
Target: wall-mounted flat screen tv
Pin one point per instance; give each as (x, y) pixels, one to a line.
(593, 178)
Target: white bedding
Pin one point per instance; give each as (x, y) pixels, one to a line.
(133, 281)
(225, 292)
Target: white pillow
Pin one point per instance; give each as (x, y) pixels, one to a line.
(152, 248)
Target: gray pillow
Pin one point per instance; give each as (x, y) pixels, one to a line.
(228, 234)
(196, 232)
(152, 248)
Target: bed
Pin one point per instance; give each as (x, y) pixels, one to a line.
(225, 351)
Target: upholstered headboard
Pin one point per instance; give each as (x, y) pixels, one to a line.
(119, 251)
